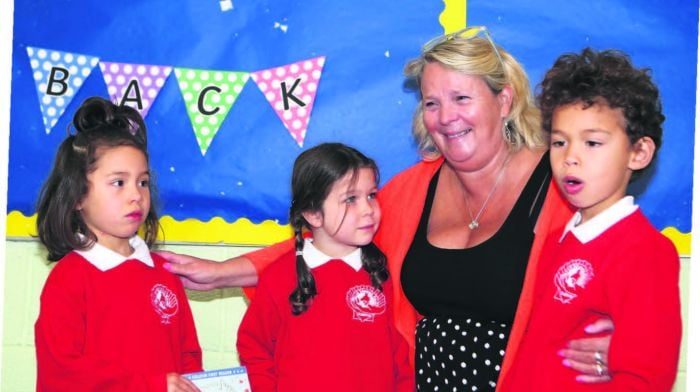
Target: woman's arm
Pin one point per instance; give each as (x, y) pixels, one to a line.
(202, 274)
(580, 354)
(240, 271)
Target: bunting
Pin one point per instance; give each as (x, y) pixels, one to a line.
(208, 95)
(291, 91)
(135, 85)
(58, 77)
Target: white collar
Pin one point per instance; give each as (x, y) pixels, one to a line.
(595, 226)
(315, 258)
(105, 259)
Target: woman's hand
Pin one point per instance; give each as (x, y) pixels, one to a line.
(201, 274)
(590, 355)
(177, 383)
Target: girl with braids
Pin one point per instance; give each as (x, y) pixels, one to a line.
(111, 318)
(321, 318)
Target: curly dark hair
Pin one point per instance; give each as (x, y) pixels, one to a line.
(99, 124)
(604, 77)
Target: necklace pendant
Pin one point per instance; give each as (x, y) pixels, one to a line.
(473, 225)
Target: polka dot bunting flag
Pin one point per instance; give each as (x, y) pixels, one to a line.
(291, 90)
(135, 85)
(58, 77)
(209, 96)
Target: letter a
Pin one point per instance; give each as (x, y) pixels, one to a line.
(133, 85)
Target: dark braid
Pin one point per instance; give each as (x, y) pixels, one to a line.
(374, 262)
(315, 172)
(306, 285)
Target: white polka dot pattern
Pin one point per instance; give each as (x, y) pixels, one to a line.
(291, 91)
(209, 96)
(122, 79)
(457, 354)
(58, 76)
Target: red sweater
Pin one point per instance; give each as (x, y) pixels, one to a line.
(344, 341)
(118, 330)
(629, 273)
(402, 200)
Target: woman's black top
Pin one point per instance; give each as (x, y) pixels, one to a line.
(469, 296)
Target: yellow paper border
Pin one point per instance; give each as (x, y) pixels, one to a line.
(454, 15)
(215, 231)
(242, 231)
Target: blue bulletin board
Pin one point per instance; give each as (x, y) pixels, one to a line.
(276, 77)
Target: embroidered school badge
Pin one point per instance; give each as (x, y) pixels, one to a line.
(164, 302)
(366, 302)
(572, 276)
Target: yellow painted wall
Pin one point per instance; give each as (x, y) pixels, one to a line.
(217, 313)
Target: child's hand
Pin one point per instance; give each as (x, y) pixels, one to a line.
(177, 383)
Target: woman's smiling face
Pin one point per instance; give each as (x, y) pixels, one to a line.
(463, 116)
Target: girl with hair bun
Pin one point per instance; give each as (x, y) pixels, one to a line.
(111, 318)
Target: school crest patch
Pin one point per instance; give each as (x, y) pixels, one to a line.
(366, 302)
(572, 277)
(164, 302)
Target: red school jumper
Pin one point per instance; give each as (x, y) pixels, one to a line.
(402, 200)
(344, 341)
(121, 329)
(618, 265)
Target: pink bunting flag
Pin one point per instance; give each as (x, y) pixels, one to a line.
(291, 90)
(135, 85)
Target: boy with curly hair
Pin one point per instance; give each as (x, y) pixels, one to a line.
(605, 123)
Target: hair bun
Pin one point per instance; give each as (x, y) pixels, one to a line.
(99, 114)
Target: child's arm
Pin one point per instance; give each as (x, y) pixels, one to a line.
(191, 354)
(645, 305)
(60, 337)
(177, 383)
(403, 372)
(257, 337)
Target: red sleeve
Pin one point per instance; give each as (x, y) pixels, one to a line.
(262, 258)
(403, 371)
(191, 352)
(645, 306)
(257, 336)
(60, 339)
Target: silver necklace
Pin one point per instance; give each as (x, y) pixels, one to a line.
(474, 224)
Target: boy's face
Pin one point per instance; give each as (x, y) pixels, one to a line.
(592, 157)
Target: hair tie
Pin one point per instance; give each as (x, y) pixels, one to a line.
(299, 253)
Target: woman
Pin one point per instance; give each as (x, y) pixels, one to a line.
(461, 227)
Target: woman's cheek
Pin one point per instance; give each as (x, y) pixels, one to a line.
(430, 122)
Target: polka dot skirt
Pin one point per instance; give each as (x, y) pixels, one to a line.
(459, 354)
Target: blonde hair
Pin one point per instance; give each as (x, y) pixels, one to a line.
(476, 56)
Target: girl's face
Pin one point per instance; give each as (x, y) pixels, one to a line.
(463, 116)
(118, 197)
(349, 217)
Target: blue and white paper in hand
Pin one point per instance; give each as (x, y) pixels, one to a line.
(228, 380)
